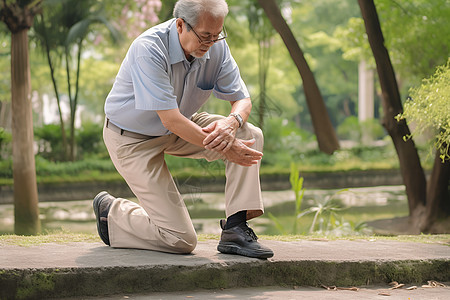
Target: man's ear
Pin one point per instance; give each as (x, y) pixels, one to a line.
(180, 24)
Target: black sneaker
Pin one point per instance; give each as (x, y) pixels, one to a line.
(102, 203)
(242, 240)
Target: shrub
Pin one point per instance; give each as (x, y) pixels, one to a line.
(5, 144)
(49, 141)
(428, 107)
(349, 129)
(283, 141)
(90, 139)
(362, 132)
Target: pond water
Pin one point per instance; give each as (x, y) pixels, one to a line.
(362, 204)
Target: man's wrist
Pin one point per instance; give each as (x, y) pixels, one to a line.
(238, 118)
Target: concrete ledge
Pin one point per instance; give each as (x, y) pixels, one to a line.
(88, 269)
(87, 190)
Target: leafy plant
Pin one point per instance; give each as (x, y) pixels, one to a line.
(428, 108)
(5, 143)
(296, 186)
(326, 218)
(324, 213)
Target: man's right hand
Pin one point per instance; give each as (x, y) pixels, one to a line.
(241, 153)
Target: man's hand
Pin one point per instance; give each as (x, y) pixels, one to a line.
(241, 153)
(221, 135)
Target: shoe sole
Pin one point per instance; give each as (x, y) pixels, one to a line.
(96, 205)
(233, 248)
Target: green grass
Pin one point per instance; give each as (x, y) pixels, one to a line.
(58, 237)
(62, 237)
(443, 239)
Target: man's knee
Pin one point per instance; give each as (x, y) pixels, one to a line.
(182, 243)
(253, 132)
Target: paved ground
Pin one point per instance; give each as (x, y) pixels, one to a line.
(93, 269)
(281, 293)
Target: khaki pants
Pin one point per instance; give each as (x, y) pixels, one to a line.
(161, 221)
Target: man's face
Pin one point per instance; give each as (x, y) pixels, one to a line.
(197, 41)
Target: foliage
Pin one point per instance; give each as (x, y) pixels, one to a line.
(138, 15)
(352, 39)
(326, 219)
(417, 35)
(428, 108)
(98, 166)
(88, 137)
(327, 209)
(297, 187)
(62, 31)
(284, 140)
(313, 23)
(349, 129)
(48, 168)
(49, 142)
(5, 143)
(6, 168)
(362, 132)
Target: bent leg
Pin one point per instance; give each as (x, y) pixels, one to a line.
(243, 189)
(160, 221)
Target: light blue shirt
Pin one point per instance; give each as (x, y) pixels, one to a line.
(155, 75)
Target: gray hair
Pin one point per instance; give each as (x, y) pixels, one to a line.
(190, 10)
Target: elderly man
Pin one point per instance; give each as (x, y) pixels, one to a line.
(168, 73)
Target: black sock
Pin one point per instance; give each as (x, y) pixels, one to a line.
(236, 219)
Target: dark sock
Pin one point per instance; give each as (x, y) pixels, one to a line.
(236, 219)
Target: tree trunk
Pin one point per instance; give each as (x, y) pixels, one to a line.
(438, 198)
(325, 133)
(411, 169)
(26, 210)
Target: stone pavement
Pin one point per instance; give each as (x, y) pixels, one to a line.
(89, 269)
(286, 293)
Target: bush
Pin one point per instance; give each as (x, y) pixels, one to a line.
(49, 168)
(362, 132)
(349, 129)
(50, 142)
(6, 168)
(5, 144)
(90, 140)
(371, 130)
(283, 141)
(429, 108)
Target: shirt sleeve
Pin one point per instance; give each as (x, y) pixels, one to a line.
(151, 83)
(229, 85)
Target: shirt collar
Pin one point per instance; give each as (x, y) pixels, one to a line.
(176, 53)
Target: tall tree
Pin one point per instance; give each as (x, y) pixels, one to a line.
(429, 109)
(325, 133)
(62, 30)
(410, 166)
(18, 16)
(263, 32)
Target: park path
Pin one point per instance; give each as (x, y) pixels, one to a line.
(87, 269)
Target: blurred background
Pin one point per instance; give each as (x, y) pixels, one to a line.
(76, 48)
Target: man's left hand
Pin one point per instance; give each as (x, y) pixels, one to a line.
(221, 135)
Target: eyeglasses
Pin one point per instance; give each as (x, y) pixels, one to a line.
(222, 35)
